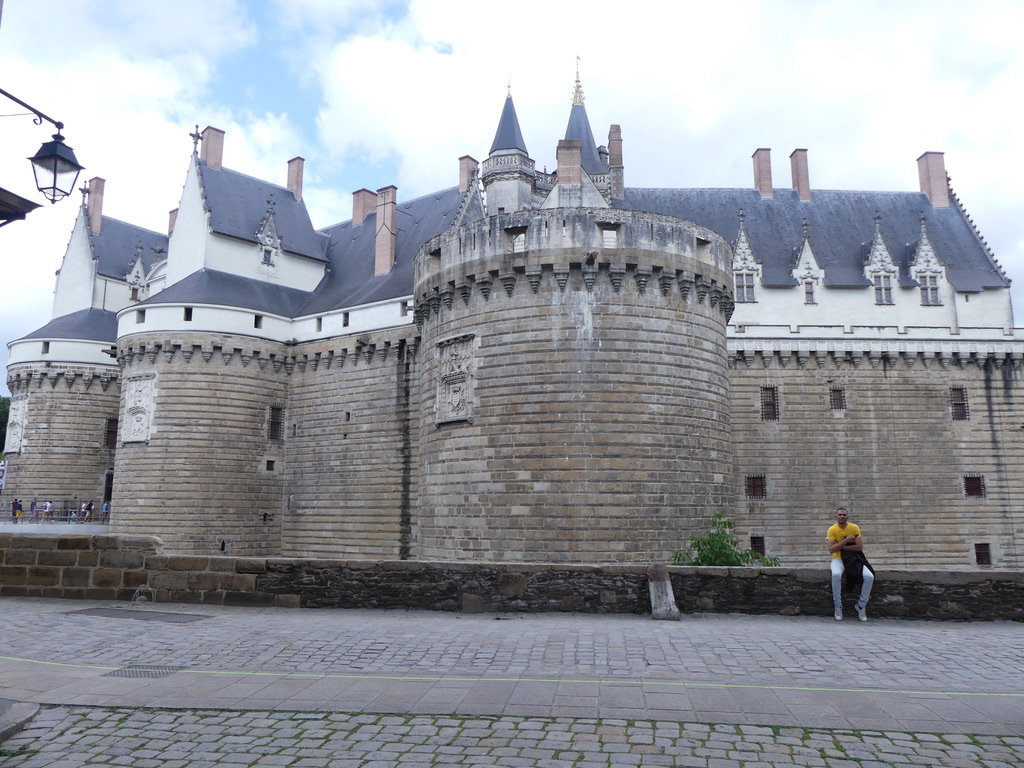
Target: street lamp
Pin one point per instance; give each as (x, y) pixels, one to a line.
(55, 166)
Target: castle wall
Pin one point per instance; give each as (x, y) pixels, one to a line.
(894, 456)
(56, 447)
(351, 450)
(574, 386)
(198, 462)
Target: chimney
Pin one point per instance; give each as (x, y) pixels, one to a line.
(387, 235)
(617, 181)
(363, 202)
(172, 217)
(931, 168)
(212, 152)
(801, 180)
(568, 158)
(763, 172)
(94, 206)
(295, 166)
(467, 170)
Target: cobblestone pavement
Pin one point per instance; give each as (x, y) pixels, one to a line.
(76, 737)
(169, 685)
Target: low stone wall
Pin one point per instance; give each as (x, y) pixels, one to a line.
(105, 567)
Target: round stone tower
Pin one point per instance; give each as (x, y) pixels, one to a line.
(574, 386)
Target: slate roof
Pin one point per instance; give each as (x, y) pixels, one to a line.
(210, 286)
(351, 281)
(508, 135)
(114, 247)
(86, 324)
(839, 224)
(238, 203)
(579, 129)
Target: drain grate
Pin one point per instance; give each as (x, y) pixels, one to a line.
(144, 670)
(126, 613)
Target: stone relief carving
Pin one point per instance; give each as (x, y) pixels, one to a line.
(16, 424)
(455, 380)
(138, 399)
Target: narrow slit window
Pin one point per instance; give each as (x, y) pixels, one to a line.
(110, 433)
(837, 398)
(257, 321)
(344, 319)
(275, 424)
(769, 403)
(319, 324)
(809, 292)
(958, 404)
(188, 314)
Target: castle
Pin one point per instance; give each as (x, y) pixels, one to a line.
(533, 367)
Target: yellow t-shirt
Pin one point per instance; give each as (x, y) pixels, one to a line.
(835, 533)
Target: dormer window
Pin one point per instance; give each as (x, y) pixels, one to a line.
(809, 292)
(745, 288)
(929, 290)
(135, 293)
(883, 289)
(268, 257)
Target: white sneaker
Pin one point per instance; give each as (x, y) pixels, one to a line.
(862, 613)
(839, 614)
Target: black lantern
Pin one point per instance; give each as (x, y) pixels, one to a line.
(56, 168)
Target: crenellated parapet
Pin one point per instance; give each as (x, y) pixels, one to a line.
(23, 379)
(878, 356)
(607, 252)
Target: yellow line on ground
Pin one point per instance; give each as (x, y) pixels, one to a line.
(434, 679)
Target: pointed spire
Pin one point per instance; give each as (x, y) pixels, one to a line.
(579, 129)
(508, 135)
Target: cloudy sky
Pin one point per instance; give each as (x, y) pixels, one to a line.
(378, 92)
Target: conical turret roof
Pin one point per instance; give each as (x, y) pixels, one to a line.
(508, 135)
(579, 129)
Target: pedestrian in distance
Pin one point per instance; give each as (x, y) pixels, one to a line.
(846, 546)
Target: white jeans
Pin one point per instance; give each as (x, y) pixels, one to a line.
(837, 584)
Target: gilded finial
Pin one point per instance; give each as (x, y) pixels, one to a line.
(577, 96)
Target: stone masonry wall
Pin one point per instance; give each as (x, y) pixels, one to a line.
(894, 456)
(128, 567)
(208, 475)
(351, 455)
(63, 454)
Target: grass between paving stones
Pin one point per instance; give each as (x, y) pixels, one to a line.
(300, 734)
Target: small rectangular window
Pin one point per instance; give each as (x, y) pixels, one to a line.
(745, 288)
(188, 314)
(270, 465)
(275, 424)
(268, 256)
(757, 544)
(257, 321)
(344, 319)
(46, 347)
(610, 238)
(809, 292)
(110, 433)
(769, 403)
(319, 324)
(755, 487)
(929, 290)
(982, 554)
(974, 486)
(140, 316)
(958, 404)
(837, 398)
(404, 308)
(883, 289)
(135, 294)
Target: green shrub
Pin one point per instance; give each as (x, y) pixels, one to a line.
(719, 547)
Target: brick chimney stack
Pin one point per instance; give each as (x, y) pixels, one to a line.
(617, 180)
(212, 152)
(94, 205)
(763, 172)
(467, 170)
(801, 179)
(931, 168)
(295, 166)
(568, 156)
(387, 234)
(363, 201)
